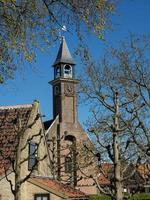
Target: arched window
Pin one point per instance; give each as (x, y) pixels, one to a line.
(67, 71)
(56, 90)
(57, 72)
(71, 158)
(68, 164)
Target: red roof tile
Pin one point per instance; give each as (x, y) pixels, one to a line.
(144, 170)
(103, 178)
(8, 119)
(60, 187)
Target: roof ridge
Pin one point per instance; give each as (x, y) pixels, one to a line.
(15, 106)
(44, 177)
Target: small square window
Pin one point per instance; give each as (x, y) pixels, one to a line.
(41, 197)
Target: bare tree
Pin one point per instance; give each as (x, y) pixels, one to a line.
(117, 88)
(132, 58)
(63, 158)
(24, 23)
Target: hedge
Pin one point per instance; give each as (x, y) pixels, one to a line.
(138, 196)
(141, 196)
(100, 197)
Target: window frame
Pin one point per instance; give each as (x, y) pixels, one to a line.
(68, 72)
(41, 195)
(32, 156)
(68, 164)
(56, 90)
(57, 71)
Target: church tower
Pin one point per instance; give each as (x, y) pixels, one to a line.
(64, 86)
(65, 135)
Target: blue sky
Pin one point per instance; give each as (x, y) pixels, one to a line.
(30, 84)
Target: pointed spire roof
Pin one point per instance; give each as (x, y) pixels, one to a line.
(64, 55)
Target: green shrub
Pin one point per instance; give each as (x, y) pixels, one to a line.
(138, 196)
(100, 197)
(141, 196)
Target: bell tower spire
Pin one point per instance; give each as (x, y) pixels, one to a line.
(64, 63)
(64, 55)
(64, 85)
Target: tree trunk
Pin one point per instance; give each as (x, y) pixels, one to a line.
(18, 173)
(117, 171)
(17, 194)
(116, 152)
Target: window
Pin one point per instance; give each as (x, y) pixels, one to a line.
(56, 90)
(32, 160)
(41, 197)
(68, 164)
(67, 71)
(70, 159)
(57, 72)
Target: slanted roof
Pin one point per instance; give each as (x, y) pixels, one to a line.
(141, 172)
(58, 188)
(64, 55)
(144, 170)
(105, 169)
(8, 132)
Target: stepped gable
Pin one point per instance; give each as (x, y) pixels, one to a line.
(8, 131)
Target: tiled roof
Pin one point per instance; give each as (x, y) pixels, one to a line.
(85, 181)
(103, 178)
(60, 187)
(8, 119)
(143, 171)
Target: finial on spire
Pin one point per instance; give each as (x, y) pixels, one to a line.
(61, 30)
(63, 38)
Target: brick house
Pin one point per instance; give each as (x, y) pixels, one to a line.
(138, 181)
(24, 160)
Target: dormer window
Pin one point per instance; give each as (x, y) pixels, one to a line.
(67, 71)
(57, 72)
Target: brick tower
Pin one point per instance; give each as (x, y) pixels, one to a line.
(64, 86)
(64, 133)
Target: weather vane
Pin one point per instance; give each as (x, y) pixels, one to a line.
(61, 30)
